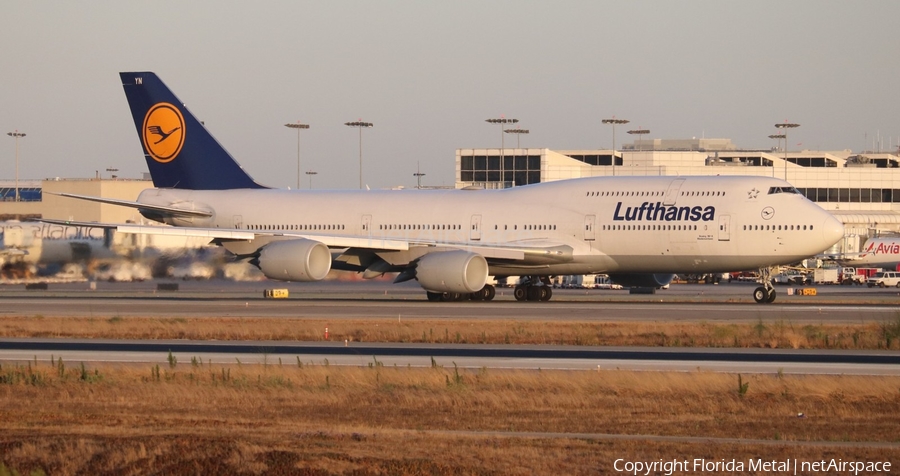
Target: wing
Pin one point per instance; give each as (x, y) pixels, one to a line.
(513, 251)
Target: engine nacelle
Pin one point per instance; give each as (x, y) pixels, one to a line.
(642, 280)
(452, 272)
(294, 260)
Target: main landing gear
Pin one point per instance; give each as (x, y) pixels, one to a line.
(534, 288)
(486, 293)
(765, 294)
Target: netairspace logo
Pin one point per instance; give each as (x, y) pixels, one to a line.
(786, 466)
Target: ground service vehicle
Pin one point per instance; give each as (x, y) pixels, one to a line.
(884, 279)
(825, 276)
(790, 277)
(857, 275)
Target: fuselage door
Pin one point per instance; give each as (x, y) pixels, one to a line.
(237, 222)
(366, 225)
(590, 223)
(725, 228)
(475, 229)
(672, 192)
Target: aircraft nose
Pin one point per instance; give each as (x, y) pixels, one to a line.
(832, 230)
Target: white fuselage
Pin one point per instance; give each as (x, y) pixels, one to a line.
(611, 224)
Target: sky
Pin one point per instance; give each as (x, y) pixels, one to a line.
(427, 74)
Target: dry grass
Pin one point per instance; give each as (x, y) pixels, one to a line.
(283, 419)
(763, 334)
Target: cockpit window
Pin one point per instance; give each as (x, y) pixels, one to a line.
(773, 190)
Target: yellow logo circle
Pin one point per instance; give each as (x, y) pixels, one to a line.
(163, 132)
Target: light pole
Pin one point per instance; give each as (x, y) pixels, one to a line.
(297, 125)
(640, 133)
(502, 121)
(16, 136)
(614, 121)
(360, 125)
(418, 175)
(784, 126)
(779, 137)
(310, 173)
(518, 133)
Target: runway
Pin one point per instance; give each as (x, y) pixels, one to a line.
(462, 355)
(376, 300)
(381, 300)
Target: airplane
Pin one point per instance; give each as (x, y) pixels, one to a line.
(44, 243)
(640, 231)
(878, 252)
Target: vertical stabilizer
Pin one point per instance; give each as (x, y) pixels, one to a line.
(179, 151)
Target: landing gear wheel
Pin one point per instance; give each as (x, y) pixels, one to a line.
(533, 288)
(520, 293)
(449, 297)
(760, 295)
(766, 293)
(489, 293)
(546, 293)
(477, 295)
(434, 297)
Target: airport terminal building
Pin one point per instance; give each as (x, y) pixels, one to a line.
(860, 189)
(39, 199)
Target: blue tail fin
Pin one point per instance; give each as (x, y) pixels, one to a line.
(179, 150)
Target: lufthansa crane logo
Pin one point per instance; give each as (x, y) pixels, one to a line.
(163, 132)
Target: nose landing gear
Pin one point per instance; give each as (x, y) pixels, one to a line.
(765, 294)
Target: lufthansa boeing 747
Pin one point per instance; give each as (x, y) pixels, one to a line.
(638, 230)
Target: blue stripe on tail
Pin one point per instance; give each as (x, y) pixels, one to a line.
(179, 151)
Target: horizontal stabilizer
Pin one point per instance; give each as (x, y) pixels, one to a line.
(169, 211)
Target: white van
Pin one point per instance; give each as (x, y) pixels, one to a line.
(887, 278)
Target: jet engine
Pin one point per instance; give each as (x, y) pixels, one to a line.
(642, 280)
(294, 260)
(452, 271)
